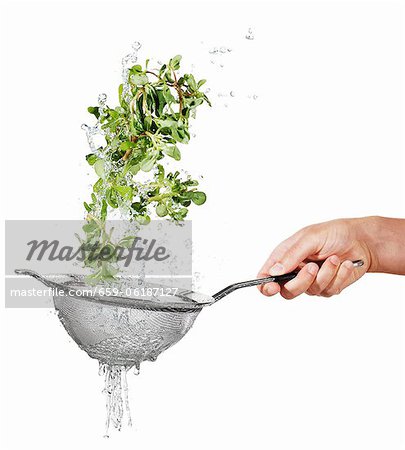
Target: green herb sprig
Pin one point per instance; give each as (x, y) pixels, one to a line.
(145, 129)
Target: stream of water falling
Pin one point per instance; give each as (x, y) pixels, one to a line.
(116, 394)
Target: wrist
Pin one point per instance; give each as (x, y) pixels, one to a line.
(384, 239)
(369, 232)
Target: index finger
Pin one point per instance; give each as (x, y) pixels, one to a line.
(290, 253)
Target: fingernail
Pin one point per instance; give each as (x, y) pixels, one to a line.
(334, 260)
(277, 269)
(267, 290)
(348, 264)
(312, 269)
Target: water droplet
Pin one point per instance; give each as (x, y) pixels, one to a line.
(254, 97)
(84, 127)
(136, 45)
(249, 36)
(102, 98)
(101, 368)
(232, 94)
(137, 369)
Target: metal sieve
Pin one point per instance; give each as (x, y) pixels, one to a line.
(122, 330)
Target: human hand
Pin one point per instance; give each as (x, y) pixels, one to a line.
(337, 243)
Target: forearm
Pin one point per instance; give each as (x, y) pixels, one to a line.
(385, 239)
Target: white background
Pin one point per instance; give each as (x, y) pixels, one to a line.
(323, 140)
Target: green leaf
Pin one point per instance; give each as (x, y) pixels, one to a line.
(199, 197)
(126, 241)
(148, 163)
(137, 68)
(139, 79)
(142, 220)
(111, 198)
(108, 271)
(180, 214)
(168, 96)
(120, 98)
(161, 210)
(192, 83)
(138, 207)
(103, 213)
(126, 192)
(91, 158)
(167, 123)
(99, 168)
(98, 185)
(172, 151)
(126, 145)
(94, 110)
(148, 122)
(132, 167)
(90, 226)
(161, 173)
(175, 62)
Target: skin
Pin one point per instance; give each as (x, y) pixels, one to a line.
(378, 241)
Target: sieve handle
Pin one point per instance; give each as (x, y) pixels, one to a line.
(36, 275)
(270, 279)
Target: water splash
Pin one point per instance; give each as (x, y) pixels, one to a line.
(91, 133)
(102, 98)
(127, 62)
(116, 392)
(97, 135)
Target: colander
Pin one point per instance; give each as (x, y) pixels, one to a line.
(124, 330)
